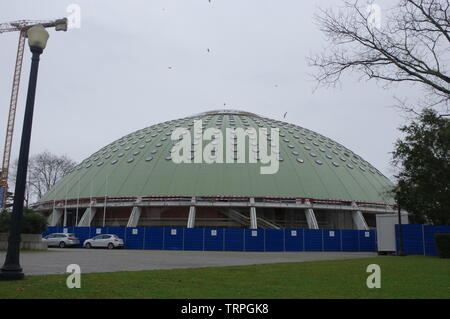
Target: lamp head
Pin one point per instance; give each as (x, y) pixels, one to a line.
(61, 24)
(37, 37)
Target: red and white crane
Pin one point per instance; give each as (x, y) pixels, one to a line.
(21, 26)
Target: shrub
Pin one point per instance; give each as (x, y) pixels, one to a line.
(4, 221)
(32, 222)
(443, 245)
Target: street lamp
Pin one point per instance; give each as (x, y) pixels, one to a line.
(11, 270)
(400, 228)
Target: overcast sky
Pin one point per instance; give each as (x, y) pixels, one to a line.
(134, 63)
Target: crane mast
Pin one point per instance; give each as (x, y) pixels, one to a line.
(22, 26)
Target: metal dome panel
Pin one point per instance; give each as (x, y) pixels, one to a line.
(139, 164)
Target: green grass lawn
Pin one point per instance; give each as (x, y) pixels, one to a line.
(401, 277)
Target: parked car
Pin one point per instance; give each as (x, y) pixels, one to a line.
(61, 240)
(106, 241)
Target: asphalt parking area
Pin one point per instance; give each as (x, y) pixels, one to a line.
(55, 260)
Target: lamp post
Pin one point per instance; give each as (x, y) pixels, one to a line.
(11, 270)
(400, 231)
(400, 228)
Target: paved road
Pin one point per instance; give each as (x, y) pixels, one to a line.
(55, 260)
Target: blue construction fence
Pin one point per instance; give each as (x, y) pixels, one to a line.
(231, 239)
(419, 239)
(2, 195)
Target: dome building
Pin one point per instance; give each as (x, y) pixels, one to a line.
(136, 181)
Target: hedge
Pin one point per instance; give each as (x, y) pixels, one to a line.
(32, 222)
(442, 245)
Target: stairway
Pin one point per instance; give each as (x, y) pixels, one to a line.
(245, 220)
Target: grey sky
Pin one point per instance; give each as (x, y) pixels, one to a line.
(137, 63)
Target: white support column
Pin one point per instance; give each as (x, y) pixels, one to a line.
(191, 218)
(192, 211)
(358, 218)
(253, 218)
(55, 217)
(311, 217)
(87, 217)
(65, 210)
(134, 217)
(133, 221)
(65, 218)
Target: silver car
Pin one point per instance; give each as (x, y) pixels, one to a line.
(106, 241)
(61, 240)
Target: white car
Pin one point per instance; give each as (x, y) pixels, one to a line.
(61, 240)
(106, 241)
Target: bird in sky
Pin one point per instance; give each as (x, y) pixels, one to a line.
(284, 116)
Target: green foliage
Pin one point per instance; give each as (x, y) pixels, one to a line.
(424, 175)
(443, 245)
(32, 222)
(4, 221)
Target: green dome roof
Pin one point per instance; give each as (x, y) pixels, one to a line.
(139, 164)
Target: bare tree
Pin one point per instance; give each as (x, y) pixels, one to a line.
(44, 170)
(411, 45)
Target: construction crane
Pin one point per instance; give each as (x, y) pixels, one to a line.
(21, 26)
